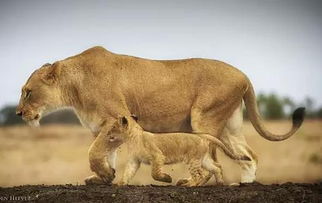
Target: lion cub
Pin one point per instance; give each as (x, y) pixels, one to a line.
(158, 149)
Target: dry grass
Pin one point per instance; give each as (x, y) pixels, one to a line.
(58, 155)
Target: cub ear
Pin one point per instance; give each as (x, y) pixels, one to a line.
(123, 122)
(134, 117)
(51, 73)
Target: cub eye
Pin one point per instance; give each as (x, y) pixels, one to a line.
(28, 94)
(112, 138)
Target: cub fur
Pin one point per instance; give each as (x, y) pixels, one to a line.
(158, 149)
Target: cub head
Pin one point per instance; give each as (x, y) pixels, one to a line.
(41, 94)
(123, 128)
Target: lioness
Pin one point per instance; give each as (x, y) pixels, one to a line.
(158, 149)
(190, 95)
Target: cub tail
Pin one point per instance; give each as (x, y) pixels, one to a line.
(224, 148)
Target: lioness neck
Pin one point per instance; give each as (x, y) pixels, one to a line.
(80, 95)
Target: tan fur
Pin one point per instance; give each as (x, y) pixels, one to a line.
(168, 96)
(158, 149)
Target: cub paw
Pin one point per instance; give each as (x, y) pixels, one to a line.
(163, 177)
(166, 178)
(182, 182)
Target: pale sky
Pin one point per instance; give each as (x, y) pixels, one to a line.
(277, 43)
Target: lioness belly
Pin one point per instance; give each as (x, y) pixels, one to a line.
(173, 123)
(165, 110)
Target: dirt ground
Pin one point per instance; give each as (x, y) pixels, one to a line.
(255, 192)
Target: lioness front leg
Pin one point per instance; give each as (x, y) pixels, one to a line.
(130, 170)
(94, 179)
(97, 159)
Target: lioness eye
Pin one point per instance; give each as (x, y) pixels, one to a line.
(28, 93)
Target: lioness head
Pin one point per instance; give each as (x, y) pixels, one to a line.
(41, 94)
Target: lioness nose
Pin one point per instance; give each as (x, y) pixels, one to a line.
(19, 113)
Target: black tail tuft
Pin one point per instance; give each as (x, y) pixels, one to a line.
(298, 116)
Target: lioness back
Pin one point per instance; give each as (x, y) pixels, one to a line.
(167, 88)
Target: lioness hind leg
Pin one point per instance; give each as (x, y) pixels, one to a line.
(239, 146)
(206, 123)
(233, 138)
(211, 117)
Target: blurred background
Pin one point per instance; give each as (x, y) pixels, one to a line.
(276, 43)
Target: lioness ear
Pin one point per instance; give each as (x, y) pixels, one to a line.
(123, 121)
(46, 64)
(51, 74)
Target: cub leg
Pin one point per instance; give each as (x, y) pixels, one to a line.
(157, 173)
(130, 170)
(195, 172)
(214, 168)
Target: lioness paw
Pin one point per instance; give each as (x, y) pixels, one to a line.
(93, 180)
(106, 178)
